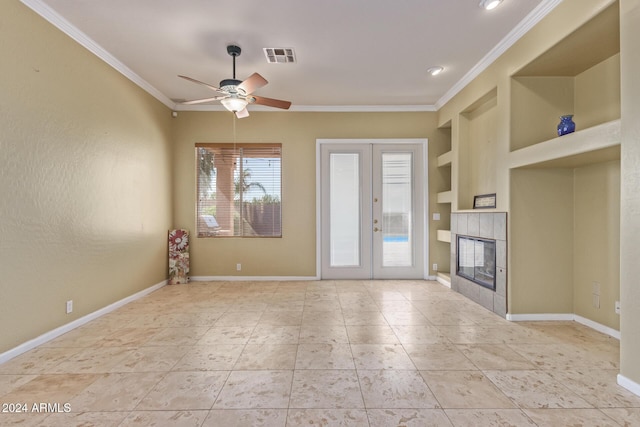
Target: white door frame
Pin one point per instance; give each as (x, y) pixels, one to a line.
(423, 141)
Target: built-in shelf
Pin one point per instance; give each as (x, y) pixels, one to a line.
(593, 145)
(444, 236)
(444, 197)
(445, 159)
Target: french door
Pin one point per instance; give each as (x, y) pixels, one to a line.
(372, 210)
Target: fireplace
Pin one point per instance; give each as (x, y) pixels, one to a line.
(479, 258)
(476, 260)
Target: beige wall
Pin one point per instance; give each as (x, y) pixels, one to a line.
(630, 194)
(84, 180)
(295, 253)
(596, 241)
(541, 241)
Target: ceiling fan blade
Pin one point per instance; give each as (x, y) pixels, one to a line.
(270, 102)
(242, 113)
(254, 82)
(202, 101)
(202, 83)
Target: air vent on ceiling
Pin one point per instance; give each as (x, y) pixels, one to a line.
(279, 55)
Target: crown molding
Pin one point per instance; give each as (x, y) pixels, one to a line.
(66, 27)
(320, 108)
(535, 16)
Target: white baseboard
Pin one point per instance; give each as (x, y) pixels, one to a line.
(251, 278)
(443, 282)
(564, 317)
(55, 333)
(630, 385)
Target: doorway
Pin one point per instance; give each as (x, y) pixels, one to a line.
(372, 221)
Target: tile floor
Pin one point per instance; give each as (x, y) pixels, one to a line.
(338, 353)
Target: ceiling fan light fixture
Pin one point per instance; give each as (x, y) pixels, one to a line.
(489, 4)
(234, 104)
(434, 71)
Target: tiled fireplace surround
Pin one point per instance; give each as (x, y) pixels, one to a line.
(486, 225)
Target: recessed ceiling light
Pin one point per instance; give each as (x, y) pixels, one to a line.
(434, 71)
(489, 4)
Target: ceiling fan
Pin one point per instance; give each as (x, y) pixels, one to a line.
(236, 94)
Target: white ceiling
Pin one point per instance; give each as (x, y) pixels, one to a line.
(351, 54)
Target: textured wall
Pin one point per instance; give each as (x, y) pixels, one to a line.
(295, 253)
(84, 180)
(630, 196)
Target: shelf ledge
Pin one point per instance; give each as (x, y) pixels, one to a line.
(445, 159)
(572, 150)
(444, 236)
(444, 197)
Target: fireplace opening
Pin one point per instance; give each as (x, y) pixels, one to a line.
(476, 260)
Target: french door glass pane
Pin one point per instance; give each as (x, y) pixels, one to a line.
(344, 206)
(397, 205)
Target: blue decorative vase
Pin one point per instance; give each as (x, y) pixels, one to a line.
(566, 125)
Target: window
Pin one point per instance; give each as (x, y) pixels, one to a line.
(239, 190)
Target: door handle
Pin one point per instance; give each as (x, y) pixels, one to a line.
(376, 229)
(375, 221)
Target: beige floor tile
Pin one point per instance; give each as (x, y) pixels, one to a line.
(180, 391)
(324, 356)
(323, 334)
(209, 358)
(255, 389)
(94, 360)
(246, 418)
(322, 317)
(267, 334)
(150, 359)
(408, 418)
(22, 419)
(465, 389)
(337, 389)
(226, 335)
(267, 356)
(184, 336)
(9, 383)
(50, 388)
(419, 334)
(128, 337)
(438, 357)
(371, 334)
(489, 417)
(624, 416)
(494, 357)
(327, 417)
(267, 353)
(364, 318)
(570, 417)
(567, 356)
(535, 389)
(37, 361)
(407, 317)
(84, 419)
(281, 318)
(598, 387)
(165, 418)
(395, 389)
(115, 392)
(381, 356)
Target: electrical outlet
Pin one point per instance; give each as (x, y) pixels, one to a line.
(435, 267)
(595, 286)
(617, 307)
(238, 267)
(596, 301)
(69, 306)
(436, 216)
